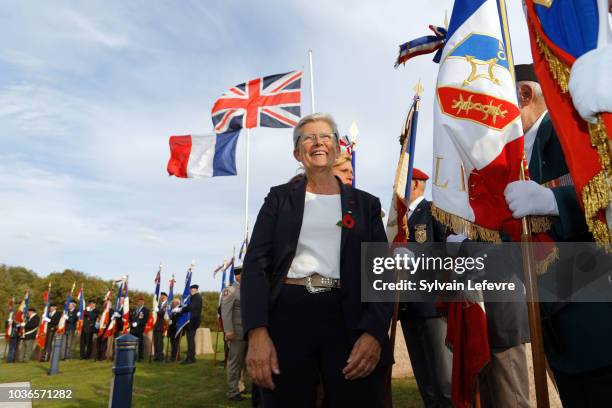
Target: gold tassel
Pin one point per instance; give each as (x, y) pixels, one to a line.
(596, 197)
(539, 223)
(596, 193)
(543, 265)
(465, 227)
(558, 68)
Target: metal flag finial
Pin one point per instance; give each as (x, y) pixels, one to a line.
(418, 88)
(446, 18)
(354, 131)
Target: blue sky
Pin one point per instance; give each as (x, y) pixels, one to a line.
(91, 91)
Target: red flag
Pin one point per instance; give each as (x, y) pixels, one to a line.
(470, 352)
(41, 337)
(126, 309)
(584, 147)
(105, 317)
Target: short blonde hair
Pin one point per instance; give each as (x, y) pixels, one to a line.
(342, 158)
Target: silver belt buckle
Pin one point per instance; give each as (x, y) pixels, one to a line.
(312, 289)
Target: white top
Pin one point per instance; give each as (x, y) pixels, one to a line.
(413, 205)
(530, 136)
(318, 247)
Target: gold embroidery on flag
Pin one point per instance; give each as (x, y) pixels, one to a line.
(474, 75)
(465, 227)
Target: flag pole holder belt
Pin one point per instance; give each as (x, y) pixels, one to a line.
(315, 283)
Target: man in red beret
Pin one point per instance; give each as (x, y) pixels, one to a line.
(423, 325)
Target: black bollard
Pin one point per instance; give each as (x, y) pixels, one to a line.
(55, 354)
(123, 371)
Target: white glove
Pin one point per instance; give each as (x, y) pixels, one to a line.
(590, 83)
(88, 309)
(46, 319)
(176, 309)
(134, 324)
(456, 238)
(116, 315)
(529, 198)
(402, 251)
(78, 314)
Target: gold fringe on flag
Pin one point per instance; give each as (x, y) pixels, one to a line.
(558, 68)
(465, 227)
(542, 265)
(539, 223)
(596, 194)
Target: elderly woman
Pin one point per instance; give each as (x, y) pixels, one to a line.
(301, 286)
(343, 168)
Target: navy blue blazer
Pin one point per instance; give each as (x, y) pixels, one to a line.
(273, 246)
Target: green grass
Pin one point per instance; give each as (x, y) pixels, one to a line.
(198, 385)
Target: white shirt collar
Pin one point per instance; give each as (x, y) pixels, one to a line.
(530, 136)
(413, 205)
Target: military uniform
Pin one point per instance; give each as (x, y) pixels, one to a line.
(51, 329)
(13, 342)
(88, 329)
(158, 331)
(174, 341)
(423, 325)
(139, 319)
(232, 322)
(29, 337)
(577, 336)
(69, 334)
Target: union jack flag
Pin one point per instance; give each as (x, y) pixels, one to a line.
(272, 101)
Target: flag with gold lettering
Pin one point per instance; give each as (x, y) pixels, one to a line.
(478, 136)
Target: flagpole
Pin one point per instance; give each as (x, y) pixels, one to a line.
(246, 183)
(531, 285)
(312, 98)
(409, 144)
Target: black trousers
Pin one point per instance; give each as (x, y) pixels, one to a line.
(158, 345)
(174, 346)
(313, 343)
(49, 344)
(85, 344)
(140, 345)
(191, 343)
(101, 345)
(592, 389)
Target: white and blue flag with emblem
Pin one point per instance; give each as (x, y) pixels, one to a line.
(184, 317)
(478, 136)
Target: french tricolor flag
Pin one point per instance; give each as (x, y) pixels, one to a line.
(204, 155)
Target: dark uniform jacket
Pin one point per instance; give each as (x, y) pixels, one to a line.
(140, 316)
(172, 325)
(565, 326)
(429, 230)
(159, 323)
(31, 327)
(273, 246)
(89, 320)
(195, 308)
(71, 320)
(55, 319)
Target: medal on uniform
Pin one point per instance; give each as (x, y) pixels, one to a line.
(420, 233)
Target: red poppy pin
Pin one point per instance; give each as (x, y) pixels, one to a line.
(347, 221)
